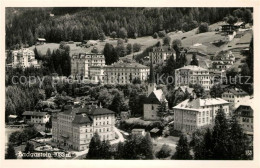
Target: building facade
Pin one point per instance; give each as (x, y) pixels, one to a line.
(235, 97)
(124, 73)
(96, 74)
(160, 54)
(223, 61)
(245, 115)
(81, 63)
(75, 127)
(195, 113)
(36, 117)
(193, 75)
(23, 58)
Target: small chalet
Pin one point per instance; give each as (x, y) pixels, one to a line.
(41, 41)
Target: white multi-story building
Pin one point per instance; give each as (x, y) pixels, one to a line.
(23, 58)
(192, 74)
(123, 73)
(235, 96)
(96, 74)
(36, 117)
(194, 113)
(160, 54)
(223, 61)
(75, 127)
(80, 63)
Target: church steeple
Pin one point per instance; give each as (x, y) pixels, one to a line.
(151, 77)
(151, 84)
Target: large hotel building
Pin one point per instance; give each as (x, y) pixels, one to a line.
(159, 55)
(81, 64)
(123, 73)
(193, 75)
(23, 58)
(75, 127)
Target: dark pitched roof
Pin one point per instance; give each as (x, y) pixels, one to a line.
(34, 113)
(152, 99)
(82, 119)
(244, 111)
(163, 49)
(100, 111)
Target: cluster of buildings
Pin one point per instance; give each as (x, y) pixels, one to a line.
(22, 58)
(92, 66)
(194, 112)
(223, 61)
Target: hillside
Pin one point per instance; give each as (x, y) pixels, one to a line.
(79, 24)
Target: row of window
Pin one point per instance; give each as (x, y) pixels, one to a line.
(204, 120)
(100, 123)
(228, 96)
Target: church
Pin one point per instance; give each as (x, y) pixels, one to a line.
(154, 99)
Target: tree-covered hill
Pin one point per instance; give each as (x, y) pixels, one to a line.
(25, 25)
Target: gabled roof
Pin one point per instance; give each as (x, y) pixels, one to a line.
(244, 107)
(236, 91)
(126, 65)
(166, 48)
(100, 111)
(194, 68)
(156, 97)
(199, 103)
(82, 119)
(183, 88)
(245, 111)
(34, 113)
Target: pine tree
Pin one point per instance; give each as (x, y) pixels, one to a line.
(110, 54)
(105, 150)
(182, 149)
(10, 152)
(146, 147)
(94, 147)
(194, 60)
(207, 145)
(161, 109)
(113, 35)
(196, 143)
(120, 151)
(116, 103)
(59, 70)
(238, 141)
(36, 53)
(130, 149)
(221, 137)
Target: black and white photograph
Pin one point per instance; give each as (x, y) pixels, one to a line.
(129, 83)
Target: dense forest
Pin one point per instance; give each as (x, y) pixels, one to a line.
(25, 25)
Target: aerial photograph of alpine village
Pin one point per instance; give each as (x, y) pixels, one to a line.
(138, 83)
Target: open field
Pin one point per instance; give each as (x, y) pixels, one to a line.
(190, 38)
